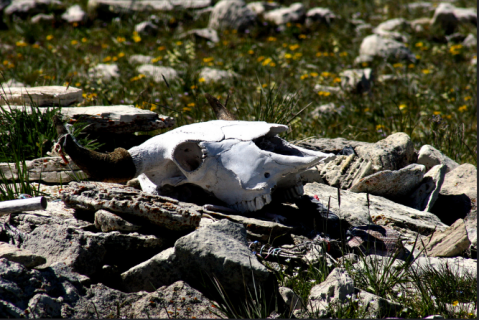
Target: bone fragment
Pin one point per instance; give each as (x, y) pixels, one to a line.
(19, 205)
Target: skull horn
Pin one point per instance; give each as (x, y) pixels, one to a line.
(116, 166)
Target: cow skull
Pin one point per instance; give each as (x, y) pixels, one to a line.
(239, 162)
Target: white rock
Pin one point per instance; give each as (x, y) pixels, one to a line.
(357, 80)
(319, 15)
(325, 109)
(146, 28)
(41, 17)
(292, 300)
(74, 14)
(42, 96)
(430, 156)
(377, 46)
(24, 8)
(470, 41)
(215, 75)
(457, 265)
(398, 24)
(147, 5)
(155, 73)
(294, 13)
(424, 197)
(107, 221)
(208, 34)
(140, 59)
(231, 14)
(106, 72)
(12, 83)
(260, 7)
(22, 256)
(448, 17)
(335, 90)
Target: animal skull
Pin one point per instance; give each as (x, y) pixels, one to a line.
(239, 162)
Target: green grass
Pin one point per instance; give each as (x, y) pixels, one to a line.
(292, 62)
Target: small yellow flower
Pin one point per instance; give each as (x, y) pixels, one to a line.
(379, 126)
(304, 76)
(234, 31)
(104, 46)
(343, 54)
(298, 25)
(411, 65)
(313, 74)
(318, 54)
(260, 58)
(467, 98)
(74, 42)
(336, 80)
(272, 64)
(397, 65)
(293, 47)
(297, 55)
(325, 74)
(161, 48)
(288, 24)
(324, 93)
(153, 107)
(364, 64)
(75, 24)
(21, 44)
(271, 39)
(418, 57)
(225, 43)
(455, 303)
(209, 59)
(179, 43)
(266, 61)
(402, 107)
(288, 55)
(106, 59)
(449, 116)
(185, 109)
(84, 39)
(437, 113)
(264, 85)
(462, 108)
(114, 58)
(366, 110)
(419, 44)
(285, 45)
(77, 84)
(49, 37)
(193, 87)
(200, 80)
(136, 37)
(36, 46)
(191, 104)
(120, 39)
(154, 60)
(121, 55)
(302, 36)
(250, 51)
(426, 71)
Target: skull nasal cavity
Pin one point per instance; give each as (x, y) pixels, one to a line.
(188, 156)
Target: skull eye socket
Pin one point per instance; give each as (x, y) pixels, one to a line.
(266, 175)
(188, 155)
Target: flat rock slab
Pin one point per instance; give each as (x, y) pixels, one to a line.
(329, 145)
(47, 169)
(344, 171)
(161, 211)
(451, 242)
(354, 209)
(424, 197)
(41, 96)
(22, 256)
(391, 184)
(150, 5)
(430, 157)
(117, 119)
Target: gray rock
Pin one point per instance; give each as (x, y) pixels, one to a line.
(9, 310)
(146, 28)
(470, 41)
(106, 72)
(451, 242)
(344, 171)
(12, 83)
(232, 14)
(448, 17)
(206, 33)
(22, 256)
(361, 29)
(357, 80)
(221, 250)
(329, 145)
(74, 14)
(395, 184)
(430, 156)
(421, 5)
(26, 8)
(319, 16)
(324, 110)
(398, 24)
(117, 6)
(377, 307)
(392, 153)
(292, 14)
(335, 90)
(354, 209)
(139, 59)
(260, 7)
(160, 270)
(291, 299)
(107, 221)
(424, 197)
(44, 306)
(471, 227)
(214, 75)
(43, 96)
(393, 35)
(42, 18)
(86, 252)
(458, 194)
(457, 265)
(334, 289)
(155, 73)
(383, 48)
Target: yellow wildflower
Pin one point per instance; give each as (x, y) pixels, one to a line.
(324, 93)
(77, 84)
(193, 87)
(185, 109)
(266, 61)
(136, 37)
(21, 44)
(106, 59)
(318, 54)
(467, 98)
(402, 107)
(288, 55)
(379, 126)
(250, 51)
(161, 48)
(364, 64)
(179, 43)
(84, 39)
(121, 55)
(264, 85)
(437, 113)
(462, 108)
(36, 46)
(411, 65)
(293, 47)
(153, 107)
(426, 71)
(114, 58)
(191, 104)
(325, 74)
(343, 54)
(419, 44)
(120, 39)
(271, 39)
(455, 303)
(209, 59)
(313, 74)
(104, 46)
(74, 42)
(304, 76)
(260, 59)
(397, 65)
(302, 36)
(337, 79)
(49, 37)
(200, 80)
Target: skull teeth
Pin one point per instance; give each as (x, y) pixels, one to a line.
(253, 205)
(293, 192)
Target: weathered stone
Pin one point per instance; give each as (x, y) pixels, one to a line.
(48, 169)
(291, 299)
(25, 257)
(40, 18)
(160, 270)
(344, 171)
(117, 119)
(421, 5)
(74, 14)
(334, 289)
(329, 145)
(292, 14)
(41, 96)
(377, 307)
(335, 90)
(430, 156)
(363, 28)
(146, 5)
(12, 83)
(471, 227)
(398, 24)
(470, 41)
(357, 80)
(458, 194)
(393, 35)
(161, 211)
(106, 72)
(146, 28)
(207, 34)
(260, 7)
(86, 252)
(44, 306)
(424, 197)
(221, 250)
(383, 48)
(232, 14)
(374, 239)
(451, 242)
(391, 184)
(107, 221)
(448, 17)
(392, 153)
(381, 211)
(214, 75)
(457, 265)
(140, 59)
(26, 8)
(324, 110)
(156, 73)
(319, 16)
